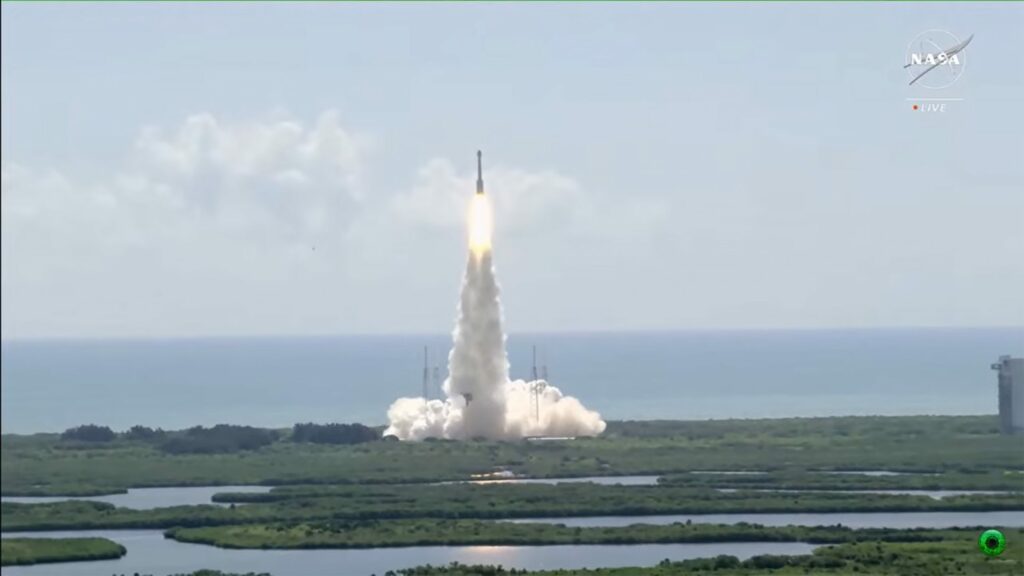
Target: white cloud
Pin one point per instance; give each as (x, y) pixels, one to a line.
(265, 178)
(257, 173)
(254, 149)
(197, 227)
(206, 222)
(527, 201)
(523, 198)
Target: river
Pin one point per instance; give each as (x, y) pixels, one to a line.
(933, 494)
(1000, 519)
(150, 553)
(148, 498)
(603, 480)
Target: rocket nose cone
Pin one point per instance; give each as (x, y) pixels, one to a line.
(479, 173)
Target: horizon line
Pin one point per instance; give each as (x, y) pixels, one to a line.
(567, 332)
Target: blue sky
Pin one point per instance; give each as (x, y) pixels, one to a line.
(201, 169)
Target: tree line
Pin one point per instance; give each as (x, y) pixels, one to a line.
(223, 438)
(334, 433)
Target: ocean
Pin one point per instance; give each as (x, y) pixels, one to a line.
(48, 386)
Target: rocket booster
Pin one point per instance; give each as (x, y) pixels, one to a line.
(479, 173)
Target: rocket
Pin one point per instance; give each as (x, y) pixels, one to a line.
(479, 173)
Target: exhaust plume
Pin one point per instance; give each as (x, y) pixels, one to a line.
(481, 401)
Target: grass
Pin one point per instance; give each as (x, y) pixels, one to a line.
(388, 533)
(42, 464)
(376, 494)
(954, 554)
(20, 551)
(477, 501)
(361, 481)
(993, 480)
(855, 552)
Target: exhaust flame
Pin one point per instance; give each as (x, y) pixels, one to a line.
(481, 400)
(480, 225)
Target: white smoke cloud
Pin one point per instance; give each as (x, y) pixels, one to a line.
(481, 400)
(478, 361)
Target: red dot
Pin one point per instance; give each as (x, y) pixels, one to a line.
(915, 106)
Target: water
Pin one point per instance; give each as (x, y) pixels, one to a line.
(50, 386)
(1000, 519)
(150, 553)
(730, 472)
(603, 480)
(879, 473)
(149, 498)
(933, 494)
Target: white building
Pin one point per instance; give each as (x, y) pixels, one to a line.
(1011, 394)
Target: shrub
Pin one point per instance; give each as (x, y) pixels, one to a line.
(89, 433)
(144, 433)
(768, 561)
(334, 433)
(219, 439)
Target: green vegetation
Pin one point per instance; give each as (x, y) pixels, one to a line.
(89, 433)
(511, 500)
(802, 480)
(219, 573)
(946, 557)
(205, 573)
(475, 501)
(376, 533)
(222, 438)
(965, 452)
(341, 486)
(966, 445)
(334, 433)
(144, 434)
(19, 551)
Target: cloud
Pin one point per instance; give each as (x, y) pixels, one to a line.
(524, 199)
(275, 177)
(306, 178)
(237, 152)
(205, 221)
(527, 201)
(196, 226)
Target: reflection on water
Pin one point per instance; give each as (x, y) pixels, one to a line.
(604, 480)
(149, 498)
(880, 473)
(729, 472)
(150, 553)
(1002, 519)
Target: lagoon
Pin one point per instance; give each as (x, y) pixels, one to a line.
(150, 553)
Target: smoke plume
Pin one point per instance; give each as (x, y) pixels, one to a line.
(481, 400)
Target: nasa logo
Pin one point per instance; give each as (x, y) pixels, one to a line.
(936, 59)
(929, 58)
